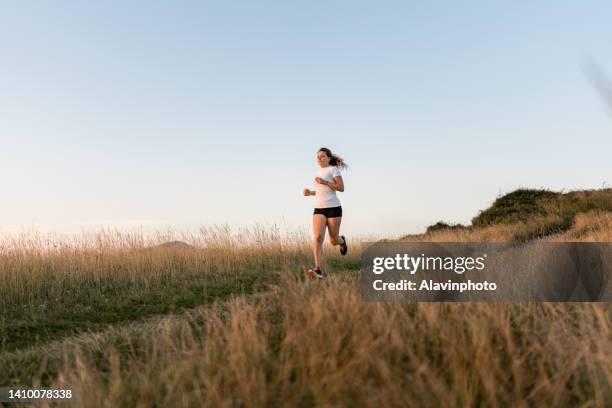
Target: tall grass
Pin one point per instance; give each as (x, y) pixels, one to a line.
(594, 226)
(35, 267)
(525, 204)
(224, 317)
(319, 344)
(523, 215)
(50, 288)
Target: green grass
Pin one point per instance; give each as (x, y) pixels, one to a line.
(545, 229)
(525, 204)
(46, 298)
(519, 205)
(547, 212)
(26, 341)
(440, 225)
(30, 336)
(91, 310)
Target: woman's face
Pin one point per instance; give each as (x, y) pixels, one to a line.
(322, 159)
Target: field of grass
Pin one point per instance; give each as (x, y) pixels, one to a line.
(53, 290)
(229, 320)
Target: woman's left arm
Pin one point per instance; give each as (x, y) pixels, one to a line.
(338, 185)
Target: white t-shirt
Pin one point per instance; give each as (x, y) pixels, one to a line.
(325, 197)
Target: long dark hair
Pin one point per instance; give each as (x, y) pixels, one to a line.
(334, 159)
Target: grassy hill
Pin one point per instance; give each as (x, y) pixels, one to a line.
(526, 214)
(226, 318)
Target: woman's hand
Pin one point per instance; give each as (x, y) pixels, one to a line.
(307, 192)
(337, 186)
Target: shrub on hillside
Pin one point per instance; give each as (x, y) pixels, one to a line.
(440, 225)
(519, 205)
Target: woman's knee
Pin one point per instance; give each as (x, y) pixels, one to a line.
(319, 238)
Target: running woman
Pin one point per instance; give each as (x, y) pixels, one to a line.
(328, 211)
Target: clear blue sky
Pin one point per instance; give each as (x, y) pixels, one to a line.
(191, 113)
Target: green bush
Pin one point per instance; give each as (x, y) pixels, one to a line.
(519, 205)
(440, 225)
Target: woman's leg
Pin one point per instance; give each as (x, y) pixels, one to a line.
(319, 221)
(334, 230)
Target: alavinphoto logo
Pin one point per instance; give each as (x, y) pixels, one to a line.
(542, 271)
(405, 284)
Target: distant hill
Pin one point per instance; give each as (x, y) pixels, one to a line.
(523, 204)
(175, 245)
(525, 214)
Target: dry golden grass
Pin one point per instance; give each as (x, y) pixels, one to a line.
(592, 226)
(497, 233)
(320, 344)
(36, 267)
(304, 343)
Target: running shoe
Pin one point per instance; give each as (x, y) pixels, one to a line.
(343, 246)
(316, 272)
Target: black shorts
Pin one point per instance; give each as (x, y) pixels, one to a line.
(331, 212)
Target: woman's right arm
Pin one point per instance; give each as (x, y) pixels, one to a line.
(308, 192)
